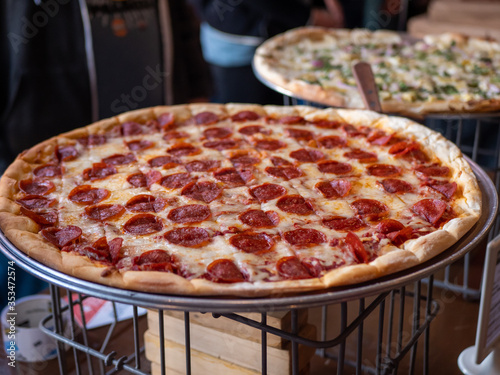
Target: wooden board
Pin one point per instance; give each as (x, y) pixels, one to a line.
(420, 25)
(277, 319)
(222, 353)
(156, 370)
(479, 13)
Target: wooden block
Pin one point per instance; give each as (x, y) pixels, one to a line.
(278, 319)
(175, 360)
(228, 348)
(478, 13)
(156, 370)
(420, 25)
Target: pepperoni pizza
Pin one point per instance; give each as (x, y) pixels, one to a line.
(237, 199)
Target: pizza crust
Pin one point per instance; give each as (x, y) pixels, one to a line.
(23, 232)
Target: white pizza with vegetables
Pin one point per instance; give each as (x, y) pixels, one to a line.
(443, 73)
(238, 199)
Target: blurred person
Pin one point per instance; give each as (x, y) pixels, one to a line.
(231, 31)
(67, 63)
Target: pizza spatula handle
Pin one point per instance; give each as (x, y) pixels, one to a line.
(366, 85)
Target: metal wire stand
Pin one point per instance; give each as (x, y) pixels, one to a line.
(396, 335)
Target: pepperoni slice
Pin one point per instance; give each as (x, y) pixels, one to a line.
(254, 129)
(244, 160)
(42, 218)
(370, 208)
(224, 271)
(93, 140)
(447, 189)
(334, 189)
(202, 165)
(277, 161)
(115, 246)
(259, 218)
(163, 161)
(352, 131)
(217, 133)
(61, 237)
(192, 213)
(294, 204)
(145, 203)
(335, 167)
(305, 237)
(400, 237)
(131, 128)
(361, 156)
(175, 135)
(154, 260)
(326, 124)
(284, 172)
(344, 224)
(86, 194)
(35, 202)
(356, 248)
(36, 187)
(269, 144)
(188, 237)
(267, 192)
(137, 180)
(48, 170)
(332, 141)
(252, 242)
(403, 147)
(383, 170)
(380, 138)
(292, 268)
(98, 171)
(224, 144)
(152, 177)
(393, 185)
(307, 155)
(139, 145)
(176, 180)
(300, 134)
(183, 149)
(204, 191)
(66, 153)
(245, 116)
(431, 210)
(232, 176)
(153, 256)
(143, 224)
(166, 120)
(289, 120)
(433, 171)
(206, 118)
(104, 212)
(387, 226)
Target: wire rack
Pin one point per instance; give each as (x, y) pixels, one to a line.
(399, 307)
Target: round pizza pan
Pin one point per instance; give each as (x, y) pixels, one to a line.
(274, 303)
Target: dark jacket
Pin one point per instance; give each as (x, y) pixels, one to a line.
(264, 18)
(44, 77)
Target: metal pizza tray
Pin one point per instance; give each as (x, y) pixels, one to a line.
(237, 304)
